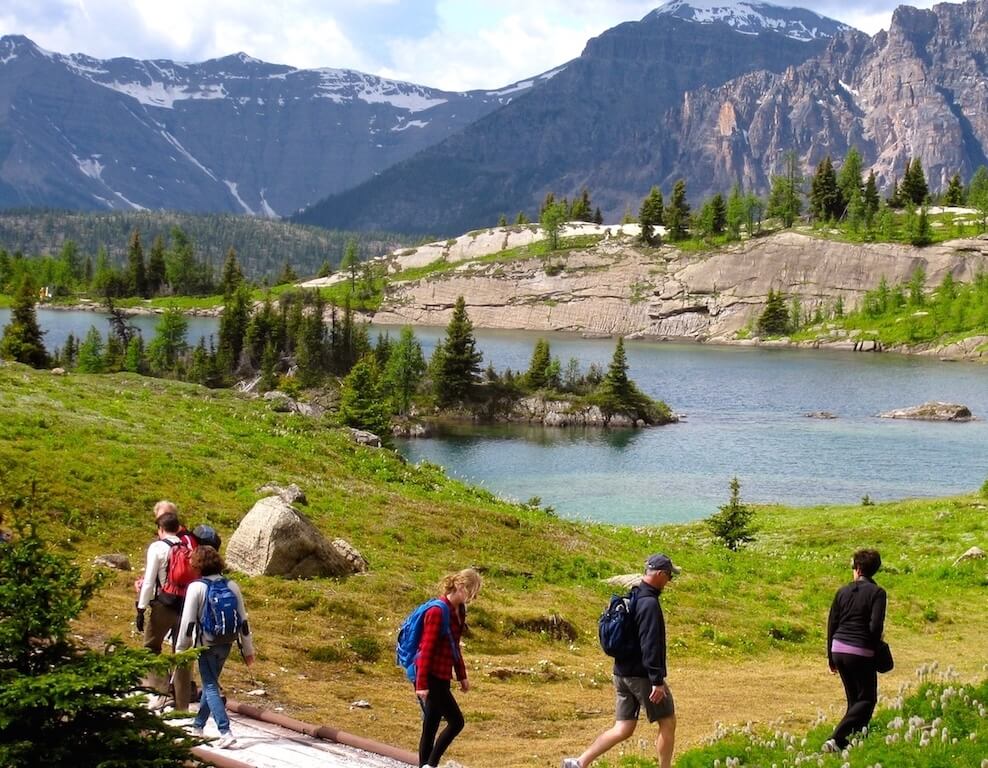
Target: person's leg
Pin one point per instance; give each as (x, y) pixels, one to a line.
(621, 730)
(454, 723)
(665, 742)
(158, 624)
(431, 717)
(860, 681)
(211, 662)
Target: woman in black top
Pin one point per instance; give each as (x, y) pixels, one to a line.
(854, 630)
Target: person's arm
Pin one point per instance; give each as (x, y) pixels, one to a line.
(832, 621)
(652, 636)
(194, 598)
(876, 626)
(151, 569)
(459, 666)
(432, 624)
(246, 639)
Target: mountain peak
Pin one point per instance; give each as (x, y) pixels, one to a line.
(754, 17)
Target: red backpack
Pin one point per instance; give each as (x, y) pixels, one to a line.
(179, 572)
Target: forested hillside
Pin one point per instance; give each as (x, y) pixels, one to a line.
(263, 246)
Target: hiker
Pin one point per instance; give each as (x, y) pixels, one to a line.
(854, 631)
(215, 618)
(164, 596)
(438, 658)
(640, 678)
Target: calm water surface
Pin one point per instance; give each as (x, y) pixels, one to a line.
(744, 415)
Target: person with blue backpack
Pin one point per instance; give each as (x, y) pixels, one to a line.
(215, 618)
(633, 630)
(429, 651)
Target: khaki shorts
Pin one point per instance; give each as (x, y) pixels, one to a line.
(632, 695)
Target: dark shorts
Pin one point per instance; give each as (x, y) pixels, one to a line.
(632, 695)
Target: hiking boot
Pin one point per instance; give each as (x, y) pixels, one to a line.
(225, 741)
(830, 746)
(571, 762)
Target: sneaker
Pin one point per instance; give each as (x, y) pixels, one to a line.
(830, 746)
(571, 762)
(225, 741)
(195, 730)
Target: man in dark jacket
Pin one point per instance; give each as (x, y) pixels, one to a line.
(640, 679)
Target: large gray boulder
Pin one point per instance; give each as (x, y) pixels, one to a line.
(932, 411)
(275, 539)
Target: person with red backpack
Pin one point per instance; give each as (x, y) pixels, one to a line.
(168, 573)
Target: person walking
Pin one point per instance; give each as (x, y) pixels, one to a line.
(640, 678)
(214, 617)
(439, 657)
(854, 630)
(162, 592)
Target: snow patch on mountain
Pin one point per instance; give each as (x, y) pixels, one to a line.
(754, 17)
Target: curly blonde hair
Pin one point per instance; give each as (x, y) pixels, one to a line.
(468, 578)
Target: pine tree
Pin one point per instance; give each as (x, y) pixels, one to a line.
(23, 339)
(459, 361)
(774, 319)
(733, 525)
(361, 402)
(287, 275)
(233, 324)
(872, 201)
(502, 220)
(977, 194)
(90, 358)
(954, 196)
(825, 196)
(914, 187)
(535, 378)
(784, 200)
(677, 214)
(650, 216)
(157, 273)
(735, 213)
(350, 262)
(310, 349)
(521, 218)
(598, 217)
(269, 362)
(136, 272)
(849, 178)
(134, 356)
(233, 276)
(169, 342)
(552, 219)
(404, 371)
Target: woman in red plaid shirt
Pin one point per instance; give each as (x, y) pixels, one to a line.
(439, 656)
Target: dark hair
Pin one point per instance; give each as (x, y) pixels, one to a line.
(207, 561)
(168, 522)
(868, 561)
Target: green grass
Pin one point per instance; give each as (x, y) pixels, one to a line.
(101, 449)
(6, 301)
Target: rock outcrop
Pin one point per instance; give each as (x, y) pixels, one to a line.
(932, 411)
(275, 539)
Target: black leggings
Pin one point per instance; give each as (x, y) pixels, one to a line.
(438, 704)
(861, 688)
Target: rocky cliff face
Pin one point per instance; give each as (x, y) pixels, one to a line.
(619, 288)
(228, 135)
(919, 90)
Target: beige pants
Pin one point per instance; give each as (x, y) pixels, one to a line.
(161, 621)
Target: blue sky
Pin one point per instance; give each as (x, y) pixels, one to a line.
(452, 44)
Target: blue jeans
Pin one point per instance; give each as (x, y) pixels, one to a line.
(211, 662)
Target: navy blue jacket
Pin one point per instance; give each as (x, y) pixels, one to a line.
(649, 660)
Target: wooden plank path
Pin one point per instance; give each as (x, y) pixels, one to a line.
(268, 745)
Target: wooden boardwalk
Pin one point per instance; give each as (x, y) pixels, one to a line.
(269, 745)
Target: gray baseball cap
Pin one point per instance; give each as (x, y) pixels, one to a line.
(662, 563)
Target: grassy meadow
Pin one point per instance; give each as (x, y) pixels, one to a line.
(746, 629)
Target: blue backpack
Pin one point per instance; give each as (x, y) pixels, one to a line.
(617, 628)
(220, 613)
(410, 635)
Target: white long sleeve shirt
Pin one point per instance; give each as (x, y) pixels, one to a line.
(190, 628)
(155, 569)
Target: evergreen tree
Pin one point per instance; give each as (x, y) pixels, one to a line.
(552, 219)
(91, 353)
(598, 217)
(113, 356)
(136, 271)
(61, 702)
(350, 262)
(617, 394)
(914, 187)
(310, 349)
(199, 364)
(70, 352)
(23, 339)
(459, 361)
(134, 356)
(232, 274)
(677, 215)
(849, 178)
(169, 342)
(269, 362)
(713, 215)
(581, 209)
(521, 218)
(404, 371)
(856, 211)
(325, 269)
(233, 325)
(754, 207)
(921, 233)
(650, 216)
(535, 378)
(954, 196)
(502, 220)
(180, 263)
(157, 273)
(733, 525)
(872, 201)
(287, 275)
(977, 195)
(735, 213)
(774, 319)
(825, 196)
(784, 200)
(361, 402)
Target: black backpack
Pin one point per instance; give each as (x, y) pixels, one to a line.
(617, 628)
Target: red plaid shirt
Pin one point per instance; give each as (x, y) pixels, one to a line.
(435, 657)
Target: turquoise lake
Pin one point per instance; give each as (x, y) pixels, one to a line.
(744, 412)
